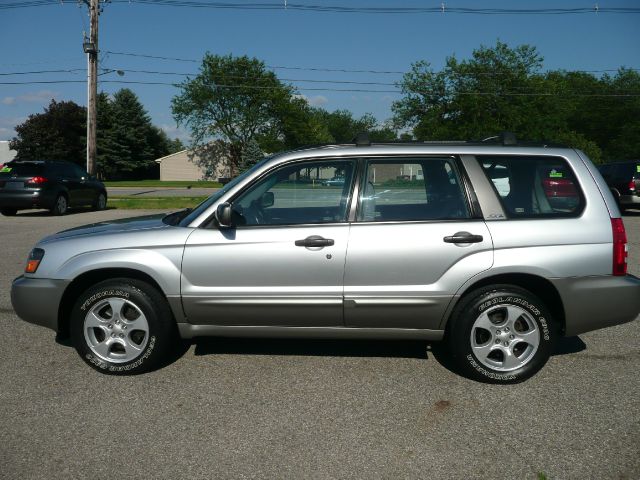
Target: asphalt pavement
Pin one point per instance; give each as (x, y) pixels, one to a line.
(234, 408)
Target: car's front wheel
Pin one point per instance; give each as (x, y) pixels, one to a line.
(501, 334)
(122, 326)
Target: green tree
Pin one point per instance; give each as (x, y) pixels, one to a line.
(498, 89)
(233, 100)
(128, 143)
(59, 133)
(176, 145)
(251, 155)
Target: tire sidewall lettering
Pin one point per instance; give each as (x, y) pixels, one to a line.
(104, 293)
(488, 374)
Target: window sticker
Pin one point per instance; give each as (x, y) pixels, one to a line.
(638, 168)
(8, 169)
(554, 174)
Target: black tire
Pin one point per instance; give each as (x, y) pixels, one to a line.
(100, 203)
(60, 206)
(508, 350)
(9, 212)
(103, 339)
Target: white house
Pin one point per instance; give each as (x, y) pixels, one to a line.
(6, 154)
(180, 166)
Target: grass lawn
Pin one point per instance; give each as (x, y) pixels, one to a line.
(158, 183)
(162, 203)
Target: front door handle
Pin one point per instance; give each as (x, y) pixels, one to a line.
(315, 241)
(463, 237)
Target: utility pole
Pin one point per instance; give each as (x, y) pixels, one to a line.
(91, 49)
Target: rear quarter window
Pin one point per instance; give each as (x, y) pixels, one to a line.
(534, 186)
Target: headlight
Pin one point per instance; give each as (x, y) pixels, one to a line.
(35, 257)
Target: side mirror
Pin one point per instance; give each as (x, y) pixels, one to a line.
(223, 215)
(267, 200)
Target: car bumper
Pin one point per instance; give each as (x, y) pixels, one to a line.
(630, 200)
(591, 303)
(26, 199)
(37, 300)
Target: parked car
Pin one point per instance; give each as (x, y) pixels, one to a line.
(498, 273)
(54, 185)
(334, 182)
(623, 179)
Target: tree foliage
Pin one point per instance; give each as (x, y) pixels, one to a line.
(504, 89)
(233, 100)
(59, 133)
(128, 143)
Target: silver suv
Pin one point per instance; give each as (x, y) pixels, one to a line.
(496, 249)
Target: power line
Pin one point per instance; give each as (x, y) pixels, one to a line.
(70, 70)
(274, 67)
(187, 74)
(258, 87)
(328, 69)
(279, 6)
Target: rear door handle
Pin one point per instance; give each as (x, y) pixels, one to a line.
(315, 241)
(463, 237)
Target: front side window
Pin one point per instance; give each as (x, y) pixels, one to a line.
(530, 187)
(302, 193)
(411, 189)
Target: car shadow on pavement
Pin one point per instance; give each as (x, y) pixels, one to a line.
(311, 347)
(46, 213)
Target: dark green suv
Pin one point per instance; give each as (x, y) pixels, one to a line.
(54, 185)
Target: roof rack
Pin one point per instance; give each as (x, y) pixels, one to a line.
(505, 138)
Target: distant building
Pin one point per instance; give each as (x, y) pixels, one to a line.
(6, 154)
(179, 166)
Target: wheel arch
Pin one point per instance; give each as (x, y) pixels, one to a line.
(87, 279)
(539, 286)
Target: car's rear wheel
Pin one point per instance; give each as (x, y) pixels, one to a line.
(122, 326)
(501, 334)
(8, 212)
(101, 202)
(60, 206)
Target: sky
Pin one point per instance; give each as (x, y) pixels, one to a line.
(50, 37)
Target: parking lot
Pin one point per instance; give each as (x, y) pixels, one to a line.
(238, 408)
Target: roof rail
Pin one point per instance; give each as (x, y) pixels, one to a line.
(505, 138)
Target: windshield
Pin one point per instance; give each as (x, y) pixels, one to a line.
(197, 211)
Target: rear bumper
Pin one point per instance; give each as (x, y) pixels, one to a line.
(591, 303)
(37, 300)
(629, 200)
(26, 199)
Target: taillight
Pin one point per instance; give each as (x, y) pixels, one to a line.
(33, 262)
(37, 180)
(632, 185)
(619, 247)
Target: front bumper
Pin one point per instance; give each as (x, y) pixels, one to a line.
(591, 303)
(37, 300)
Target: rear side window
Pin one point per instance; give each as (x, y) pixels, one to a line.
(531, 187)
(411, 189)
